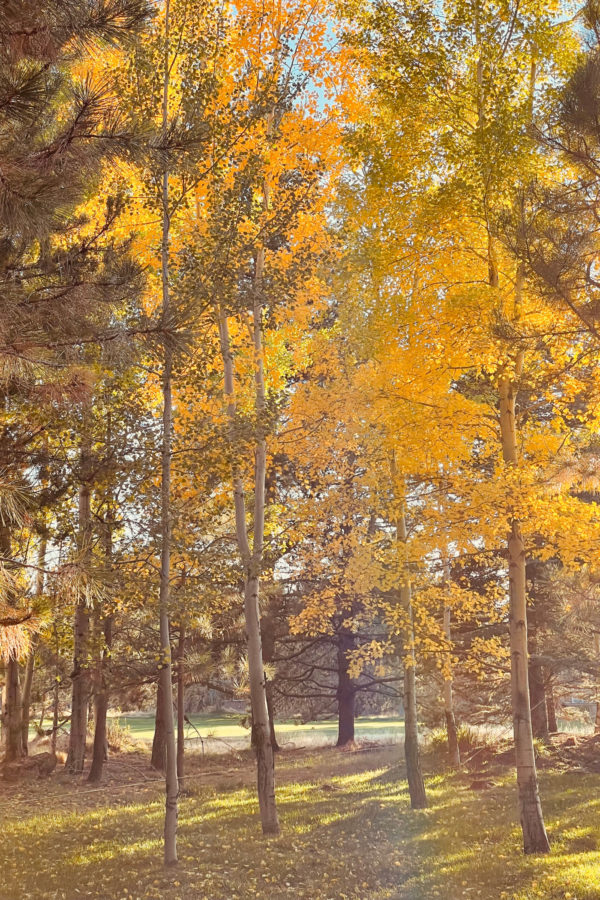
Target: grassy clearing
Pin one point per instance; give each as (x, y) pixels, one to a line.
(228, 728)
(348, 832)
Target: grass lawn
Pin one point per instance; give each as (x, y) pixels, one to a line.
(348, 832)
(227, 728)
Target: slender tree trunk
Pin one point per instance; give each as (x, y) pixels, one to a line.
(539, 707)
(166, 677)
(100, 751)
(447, 693)
(597, 716)
(535, 839)
(26, 695)
(537, 684)
(102, 691)
(416, 785)
(261, 732)
(252, 560)
(13, 709)
(80, 693)
(30, 664)
(551, 708)
(39, 590)
(158, 758)
(181, 707)
(270, 704)
(3, 706)
(42, 714)
(346, 693)
(55, 693)
(268, 652)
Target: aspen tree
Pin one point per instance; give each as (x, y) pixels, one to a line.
(166, 677)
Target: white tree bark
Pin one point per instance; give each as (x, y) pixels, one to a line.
(171, 780)
(447, 694)
(416, 785)
(252, 558)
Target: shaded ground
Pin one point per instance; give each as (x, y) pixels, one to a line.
(348, 832)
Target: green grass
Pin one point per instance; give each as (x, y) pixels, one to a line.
(228, 728)
(348, 832)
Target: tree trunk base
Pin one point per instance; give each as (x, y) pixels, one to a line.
(265, 770)
(453, 747)
(535, 838)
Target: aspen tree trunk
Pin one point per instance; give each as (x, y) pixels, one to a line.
(447, 693)
(261, 732)
(535, 839)
(252, 557)
(80, 692)
(166, 677)
(346, 694)
(270, 710)
(416, 785)
(181, 707)
(261, 725)
(252, 562)
(268, 652)
(100, 749)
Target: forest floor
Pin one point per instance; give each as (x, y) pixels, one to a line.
(347, 832)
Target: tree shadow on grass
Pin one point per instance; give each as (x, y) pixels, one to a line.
(350, 835)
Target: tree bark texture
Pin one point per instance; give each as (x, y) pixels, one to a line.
(181, 706)
(268, 652)
(346, 693)
(12, 712)
(166, 677)
(539, 707)
(30, 664)
(252, 562)
(102, 675)
(261, 731)
(100, 749)
(551, 708)
(535, 839)
(416, 785)
(80, 677)
(12, 705)
(447, 694)
(26, 695)
(158, 758)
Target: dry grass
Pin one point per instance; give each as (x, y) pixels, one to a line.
(348, 832)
